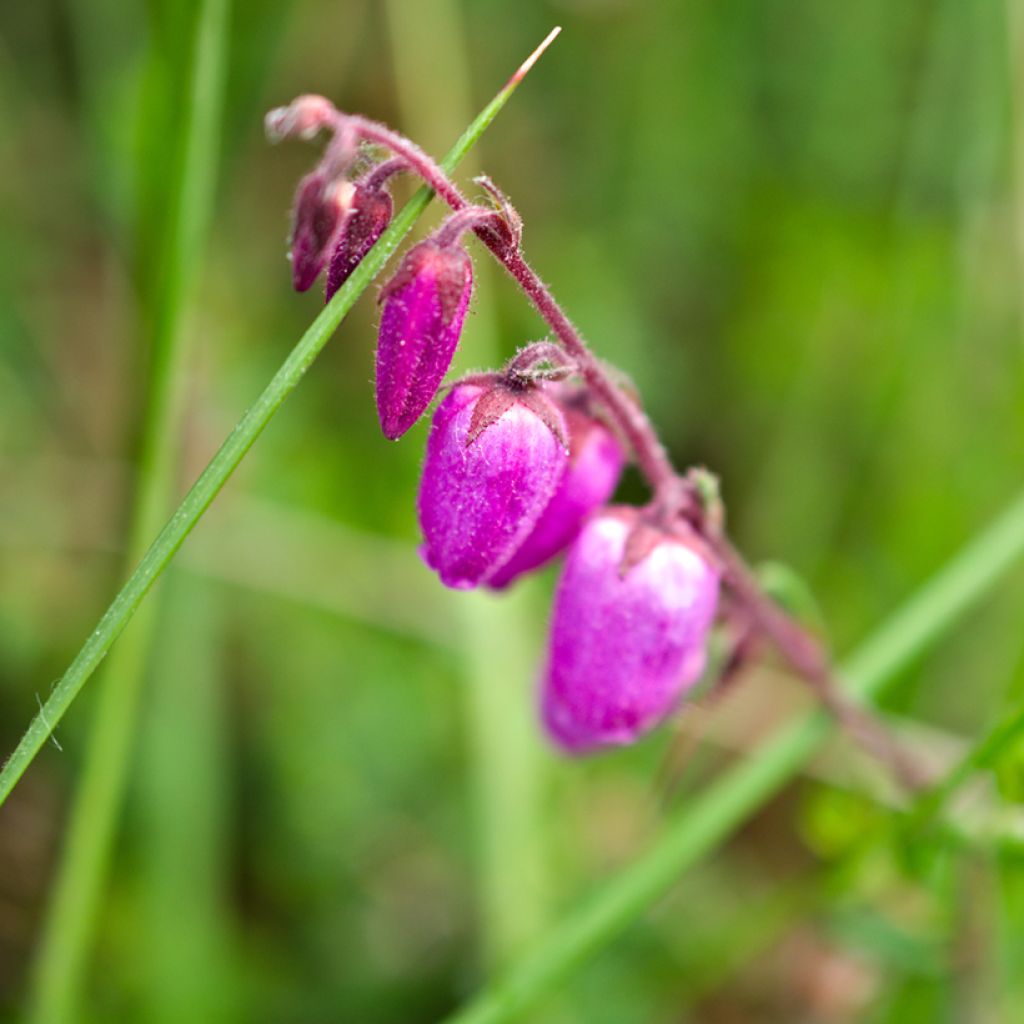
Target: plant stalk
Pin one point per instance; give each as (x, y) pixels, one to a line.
(671, 491)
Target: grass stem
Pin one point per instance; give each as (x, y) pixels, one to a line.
(220, 468)
(63, 949)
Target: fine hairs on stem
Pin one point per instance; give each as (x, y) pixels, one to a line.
(685, 506)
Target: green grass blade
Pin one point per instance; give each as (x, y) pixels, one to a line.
(224, 463)
(698, 828)
(65, 940)
(998, 739)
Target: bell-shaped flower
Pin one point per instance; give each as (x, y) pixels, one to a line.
(595, 464)
(425, 305)
(628, 634)
(495, 456)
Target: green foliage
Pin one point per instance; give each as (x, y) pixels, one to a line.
(795, 226)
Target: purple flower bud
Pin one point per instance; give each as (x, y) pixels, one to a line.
(369, 214)
(494, 459)
(595, 463)
(424, 306)
(320, 208)
(631, 619)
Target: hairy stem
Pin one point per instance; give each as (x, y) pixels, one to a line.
(378, 175)
(630, 417)
(415, 159)
(671, 491)
(466, 219)
(803, 652)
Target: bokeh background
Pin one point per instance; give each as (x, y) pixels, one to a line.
(798, 225)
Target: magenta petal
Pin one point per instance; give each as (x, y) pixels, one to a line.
(623, 648)
(595, 465)
(424, 309)
(478, 501)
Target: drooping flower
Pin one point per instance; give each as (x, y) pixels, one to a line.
(495, 456)
(303, 117)
(425, 305)
(631, 619)
(369, 214)
(320, 209)
(595, 464)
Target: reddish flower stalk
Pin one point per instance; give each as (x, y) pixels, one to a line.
(630, 417)
(678, 502)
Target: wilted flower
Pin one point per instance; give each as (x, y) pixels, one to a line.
(369, 214)
(303, 117)
(320, 208)
(595, 464)
(628, 634)
(494, 459)
(424, 307)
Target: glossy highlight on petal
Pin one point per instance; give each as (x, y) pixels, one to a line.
(596, 460)
(624, 645)
(424, 309)
(478, 499)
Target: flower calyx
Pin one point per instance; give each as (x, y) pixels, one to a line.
(505, 392)
(648, 528)
(504, 229)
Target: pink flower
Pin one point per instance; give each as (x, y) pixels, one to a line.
(631, 620)
(595, 464)
(494, 459)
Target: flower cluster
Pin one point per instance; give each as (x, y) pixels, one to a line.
(520, 463)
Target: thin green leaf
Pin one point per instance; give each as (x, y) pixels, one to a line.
(231, 453)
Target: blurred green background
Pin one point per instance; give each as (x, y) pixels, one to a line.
(798, 226)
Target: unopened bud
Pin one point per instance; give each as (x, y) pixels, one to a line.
(494, 459)
(628, 632)
(369, 214)
(425, 305)
(321, 205)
